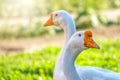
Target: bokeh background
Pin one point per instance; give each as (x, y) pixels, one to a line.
(28, 50)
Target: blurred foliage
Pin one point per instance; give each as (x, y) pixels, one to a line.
(32, 29)
(118, 20)
(40, 64)
(86, 12)
(41, 7)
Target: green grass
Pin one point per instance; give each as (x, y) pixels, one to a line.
(40, 64)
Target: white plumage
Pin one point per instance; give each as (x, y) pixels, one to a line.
(73, 48)
(63, 19)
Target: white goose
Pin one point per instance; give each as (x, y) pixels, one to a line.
(62, 19)
(78, 42)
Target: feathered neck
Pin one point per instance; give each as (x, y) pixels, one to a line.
(69, 29)
(69, 57)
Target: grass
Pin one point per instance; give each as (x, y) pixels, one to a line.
(40, 64)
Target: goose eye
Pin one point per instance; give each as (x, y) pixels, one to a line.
(56, 14)
(79, 35)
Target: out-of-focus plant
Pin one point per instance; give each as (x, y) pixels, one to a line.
(85, 11)
(42, 7)
(32, 29)
(118, 20)
(40, 64)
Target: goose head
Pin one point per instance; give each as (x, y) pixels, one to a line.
(59, 18)
(82, 40)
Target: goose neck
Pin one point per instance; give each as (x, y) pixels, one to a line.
(69, 29)
(68, 64)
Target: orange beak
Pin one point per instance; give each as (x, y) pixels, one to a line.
(49, 22)
(88, 41)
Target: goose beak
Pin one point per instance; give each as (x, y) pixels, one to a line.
(49, 22)
(88, 41)
(91, 44)
(98, 47)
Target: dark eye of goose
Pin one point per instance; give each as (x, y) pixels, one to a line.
(79, 35)
(56, 14)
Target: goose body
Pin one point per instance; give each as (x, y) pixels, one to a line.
(93, 73)
(76, 45)
(63, 19)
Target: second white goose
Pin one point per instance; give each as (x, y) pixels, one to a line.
(78, 42)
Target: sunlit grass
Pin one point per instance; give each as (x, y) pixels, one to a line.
(40, 64)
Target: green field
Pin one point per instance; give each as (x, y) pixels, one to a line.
(40, 64)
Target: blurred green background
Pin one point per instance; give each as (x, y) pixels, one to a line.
(23, 36)
(24, 18)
